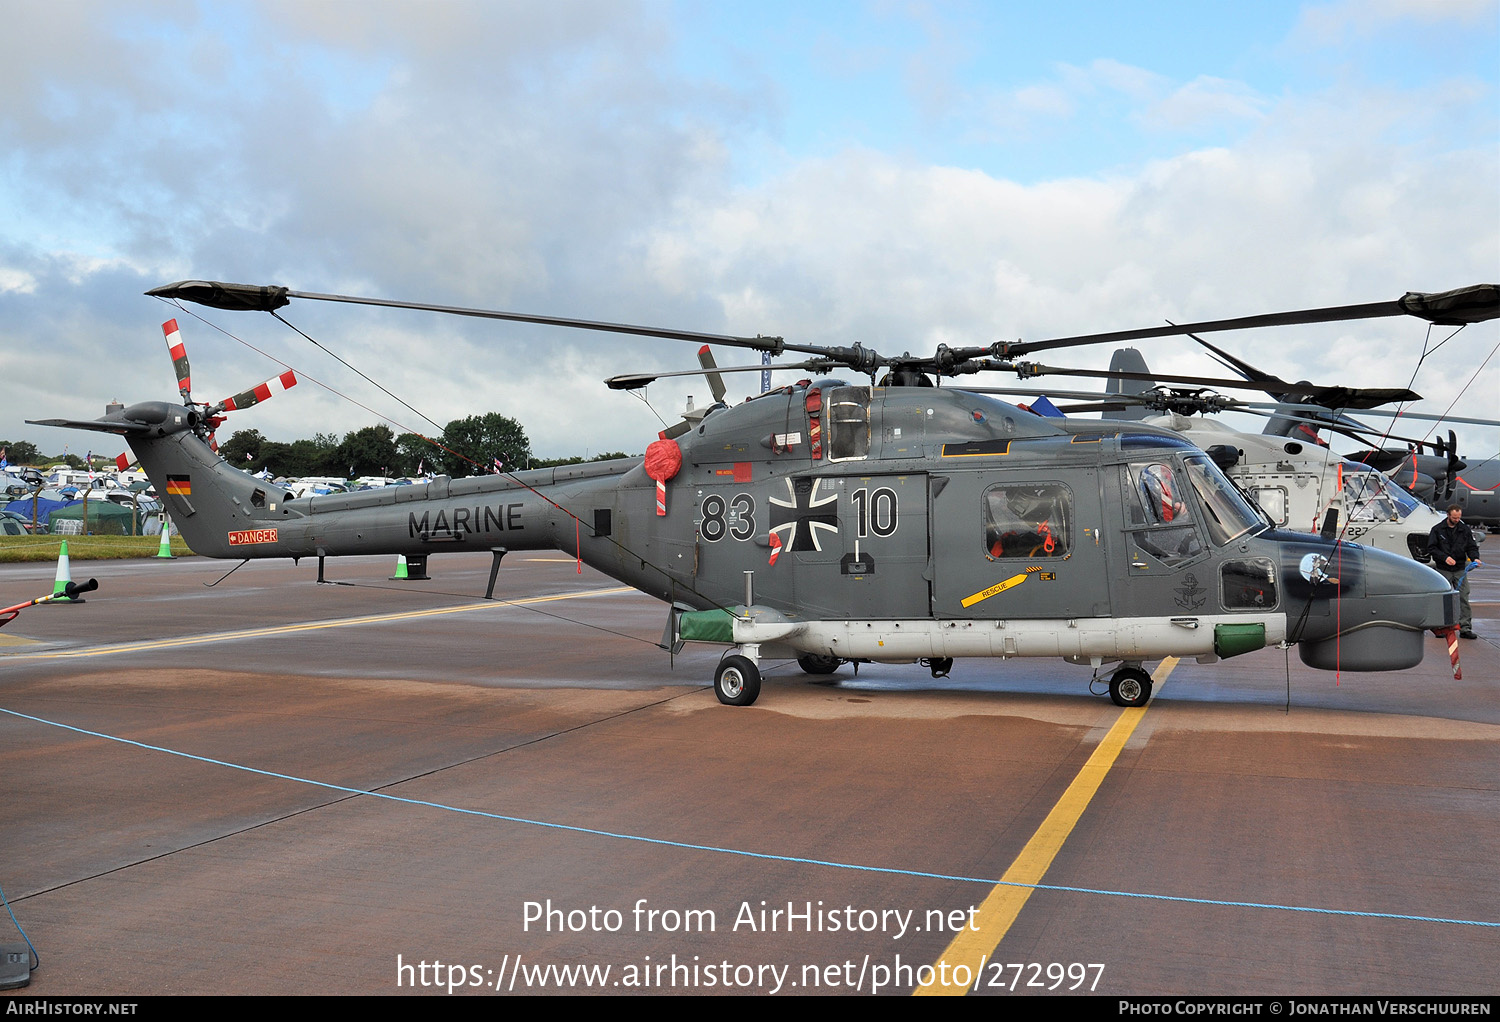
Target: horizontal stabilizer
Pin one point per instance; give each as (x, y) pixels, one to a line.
(117, 426)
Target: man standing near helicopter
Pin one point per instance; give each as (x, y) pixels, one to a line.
(1451, 544)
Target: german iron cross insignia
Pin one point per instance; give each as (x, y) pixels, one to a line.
(799, 518)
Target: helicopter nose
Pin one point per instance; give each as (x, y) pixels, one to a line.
(1384, 605)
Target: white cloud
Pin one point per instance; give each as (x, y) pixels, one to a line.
(1331, 22)
(547, 161)
(1203, 101)
(16, 280)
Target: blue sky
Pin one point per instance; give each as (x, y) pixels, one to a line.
(903, 174)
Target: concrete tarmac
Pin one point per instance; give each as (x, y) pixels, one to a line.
(559, 806)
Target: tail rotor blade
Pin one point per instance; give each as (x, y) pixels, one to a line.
(178, 352)
(715, 381)
(256, 395)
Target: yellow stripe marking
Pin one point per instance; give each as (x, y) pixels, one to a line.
(997, 588)
(976, 942)
(256, 633)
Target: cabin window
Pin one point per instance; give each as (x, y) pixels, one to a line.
(1028, 521)
(1273, 501)
(258, 498)
(1249, 583)
(847, 412)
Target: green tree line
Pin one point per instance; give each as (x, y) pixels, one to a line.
(472, 445)
(467, 446)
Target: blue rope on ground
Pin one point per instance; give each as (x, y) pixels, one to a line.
(829, 863)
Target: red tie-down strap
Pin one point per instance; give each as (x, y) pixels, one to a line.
(815, 423)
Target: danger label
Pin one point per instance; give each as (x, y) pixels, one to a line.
(249, 536)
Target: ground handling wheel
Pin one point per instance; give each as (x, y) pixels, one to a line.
(812, 663)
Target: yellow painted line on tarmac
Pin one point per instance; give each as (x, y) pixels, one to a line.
(310, 626)
(975, 944)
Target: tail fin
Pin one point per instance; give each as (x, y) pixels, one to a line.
(1128, 360)
(219, 510)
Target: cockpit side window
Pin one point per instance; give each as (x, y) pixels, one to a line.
(848, 417)
(1158, 513)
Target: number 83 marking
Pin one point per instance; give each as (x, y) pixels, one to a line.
(737, 517)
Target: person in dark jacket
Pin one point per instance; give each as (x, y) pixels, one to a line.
(1452, 546)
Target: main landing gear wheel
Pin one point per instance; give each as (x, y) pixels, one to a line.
(737, 681)
(814, 664)
(1130, 686)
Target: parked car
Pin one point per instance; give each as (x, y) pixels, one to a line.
(23, 521)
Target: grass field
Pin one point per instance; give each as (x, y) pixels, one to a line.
(84, 548)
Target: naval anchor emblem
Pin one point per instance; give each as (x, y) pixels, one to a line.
(1191, 594)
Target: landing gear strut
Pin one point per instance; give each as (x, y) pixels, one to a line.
(1130, 686)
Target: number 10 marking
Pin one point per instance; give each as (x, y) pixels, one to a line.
(875, 513)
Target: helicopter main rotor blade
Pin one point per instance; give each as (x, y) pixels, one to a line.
(1329, 397)
(1461, 306)
(1427, 417)
(255, 298)
(634, 381)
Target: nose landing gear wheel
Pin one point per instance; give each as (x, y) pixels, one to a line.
(1130, 686)
(737, 681)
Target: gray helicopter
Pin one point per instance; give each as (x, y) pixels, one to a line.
(1288, 470)
(1440, 478)
(842, 522)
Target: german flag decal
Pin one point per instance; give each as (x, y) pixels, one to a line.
(182, 486)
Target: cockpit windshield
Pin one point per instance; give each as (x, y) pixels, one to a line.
(1227, 513)
(1370, 497)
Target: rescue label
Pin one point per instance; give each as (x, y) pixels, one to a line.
(999, 587)
(250, 536)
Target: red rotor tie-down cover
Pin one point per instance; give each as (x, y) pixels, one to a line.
(663, 460)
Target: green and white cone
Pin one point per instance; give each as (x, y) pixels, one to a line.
(64, 576)
(165, 547)
(401, 572)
